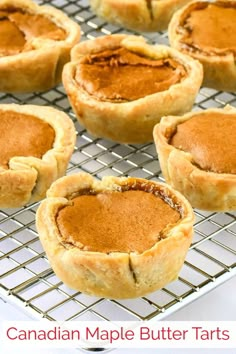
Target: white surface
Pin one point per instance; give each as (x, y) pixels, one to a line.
(218, 305)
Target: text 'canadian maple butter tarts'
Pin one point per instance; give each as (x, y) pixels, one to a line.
(116, 238)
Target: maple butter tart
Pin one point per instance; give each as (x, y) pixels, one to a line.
(35, 43)
(116, 238)
(206, 31)
(36, 144)
(119, 86)
(197, 153)
(141, 15)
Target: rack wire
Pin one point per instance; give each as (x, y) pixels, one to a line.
(25, 274)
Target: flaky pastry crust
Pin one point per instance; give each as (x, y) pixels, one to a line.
(38, 69)
(219, 67)
(28, 178)
(132, 121)
(114, 274)
(138, 15)
(204, 189)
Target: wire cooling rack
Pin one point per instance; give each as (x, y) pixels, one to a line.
(25, 274)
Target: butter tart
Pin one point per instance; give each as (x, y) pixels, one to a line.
(115, 238)
(119, 86)
(197, 154)
(36, 144)
(35, 43)
(138, 15)
(206, 31)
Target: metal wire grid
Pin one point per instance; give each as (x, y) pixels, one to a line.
(25, 274)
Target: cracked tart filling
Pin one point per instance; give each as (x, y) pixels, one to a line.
(18, 28)
(23, 135)
(211, 141)
(120, 75)
(114, 221)
(209, 27)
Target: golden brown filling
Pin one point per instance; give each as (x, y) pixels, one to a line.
(211, 27)
(23, 135)
(211, 141)
(120, 75)
(128, 221)
(18, 28)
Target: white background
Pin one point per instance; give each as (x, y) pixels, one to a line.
(218, 305)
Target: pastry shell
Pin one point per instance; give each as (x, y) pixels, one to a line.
(133, 121)
(204, 189)
(28, 178)
(117, 275)
(138, 15)
(38, 69)
(219, 67)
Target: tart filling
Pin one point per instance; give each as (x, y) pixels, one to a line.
(23, 135)
(121, 75)
(209, 27)
(211, 141)
(115, 221)
(18, 28)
